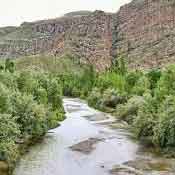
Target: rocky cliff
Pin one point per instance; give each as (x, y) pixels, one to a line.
(145, 33)
(142, 31)
(88, 37)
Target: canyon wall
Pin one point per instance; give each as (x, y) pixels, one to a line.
(143, 32)
(88, 37)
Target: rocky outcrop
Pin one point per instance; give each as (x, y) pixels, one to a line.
(142, 31)
(88, 37)
(145, 33)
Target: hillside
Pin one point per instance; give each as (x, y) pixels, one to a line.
(141, 31)
(87, 37)
(78, 13)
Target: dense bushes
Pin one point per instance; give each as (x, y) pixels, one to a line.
(146, 118)
(106, 99)
(30, 104)
(4, 99)
(78, 85)
(31, 117)
(129, 110)
(9, 132)
(164, 132)
(94, 98)
(146, 100)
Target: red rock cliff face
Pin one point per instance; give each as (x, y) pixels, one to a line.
(145, 33)
(87, 37)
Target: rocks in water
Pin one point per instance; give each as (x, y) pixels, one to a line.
(150, 165)
(97, 116)
(86, 146)
(124, 170)
(142, 166)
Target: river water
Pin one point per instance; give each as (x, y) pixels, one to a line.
(90, 142)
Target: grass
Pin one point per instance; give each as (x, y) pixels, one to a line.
(49, 63)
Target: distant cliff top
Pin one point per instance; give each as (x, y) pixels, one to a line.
(78, 13)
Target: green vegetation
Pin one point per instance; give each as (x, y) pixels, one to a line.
(145, 99)
(30, 105)
(31, 91)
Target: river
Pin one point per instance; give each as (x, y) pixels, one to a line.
(90, 142)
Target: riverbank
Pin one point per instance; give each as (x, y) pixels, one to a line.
(22, 147)
(6, 168)
(145, 99)
(125, 113)
(30, 105)
(91, 142)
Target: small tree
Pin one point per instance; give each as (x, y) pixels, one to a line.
(9, 66)
(119, 66)
(1, 67)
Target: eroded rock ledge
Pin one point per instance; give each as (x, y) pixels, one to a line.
(143, 31)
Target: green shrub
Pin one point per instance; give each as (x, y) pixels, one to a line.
(9, 66)
(43, 80)
(146, 119)
(8, 79)
(76, 92)
(9, 132)
(1, 67)
(112, 80)
(38, 115)
(54, 94)
(130, 109)
(69, 82)
(141, 86)
(154, 76)
(31, 117)
(164, 132)
(40, 95)
(30, 104)
(54, 118)
(26, 83)
(111, 98)
(131, 80)
(166, 84)
(94, 97)
(4, 99)
(119, 66)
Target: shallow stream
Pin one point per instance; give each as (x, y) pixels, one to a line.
(90, 142)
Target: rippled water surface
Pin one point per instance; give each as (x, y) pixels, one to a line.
(86, 144)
